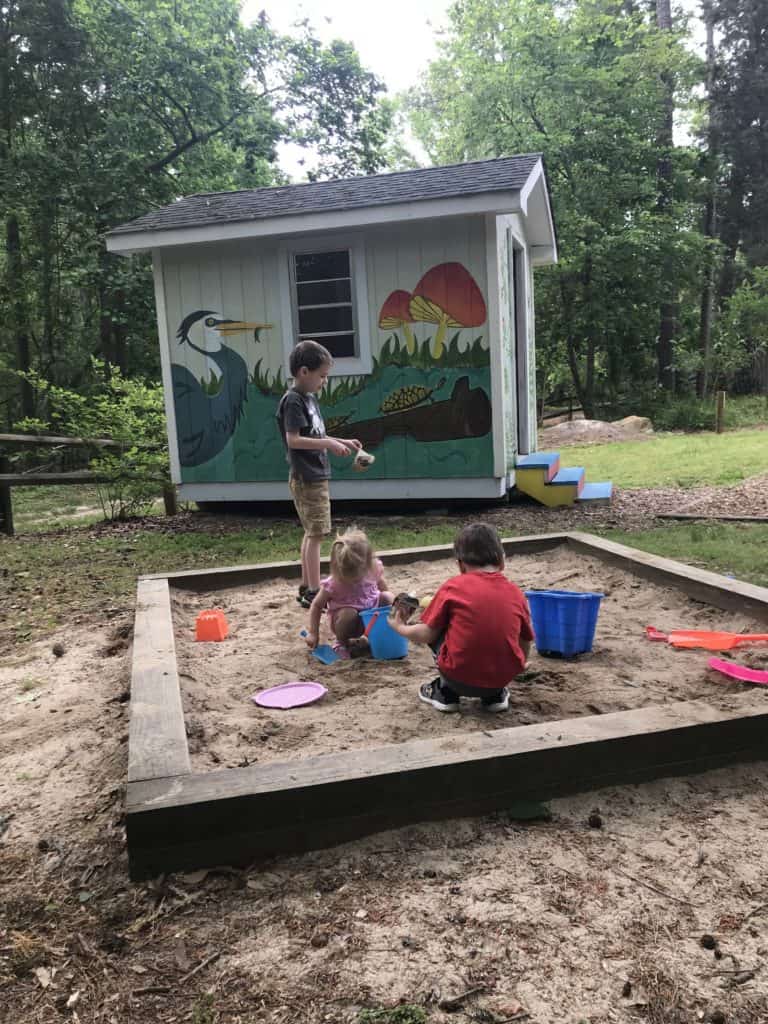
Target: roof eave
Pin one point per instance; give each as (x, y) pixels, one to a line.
(129, 242)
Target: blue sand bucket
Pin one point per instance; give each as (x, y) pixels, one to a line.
(385, 643)
(563, 621)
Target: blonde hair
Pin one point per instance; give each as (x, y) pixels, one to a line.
(351, 556)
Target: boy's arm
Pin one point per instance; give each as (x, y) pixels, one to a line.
(525, 647)
(331, 444)
(419, 632)
(357, 445)
(315, 611)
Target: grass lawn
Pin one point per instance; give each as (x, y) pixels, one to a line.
(740, 549)
(675, 460)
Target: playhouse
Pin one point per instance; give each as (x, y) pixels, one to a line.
(420, 283)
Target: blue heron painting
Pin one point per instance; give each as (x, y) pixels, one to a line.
(206, 419)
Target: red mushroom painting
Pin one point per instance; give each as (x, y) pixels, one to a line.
(447, 295)
(395, 313)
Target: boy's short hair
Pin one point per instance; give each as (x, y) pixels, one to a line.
(311, 354)
(478, 544)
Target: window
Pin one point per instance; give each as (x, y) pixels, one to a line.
(323, 302)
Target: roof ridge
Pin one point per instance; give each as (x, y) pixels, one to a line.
(363, 177)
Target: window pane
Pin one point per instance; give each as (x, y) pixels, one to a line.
(324, 293)
(325, 319)
(319, 266)
(340, 346)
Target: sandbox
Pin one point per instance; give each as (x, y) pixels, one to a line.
(215, 779)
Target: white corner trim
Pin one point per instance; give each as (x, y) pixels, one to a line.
(165, 366)
(303, 224)
(494, 344)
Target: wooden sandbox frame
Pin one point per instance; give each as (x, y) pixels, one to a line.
(178, 819)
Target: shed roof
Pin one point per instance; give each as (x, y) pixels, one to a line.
(477, 177)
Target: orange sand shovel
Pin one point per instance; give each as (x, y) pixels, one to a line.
(713, 641)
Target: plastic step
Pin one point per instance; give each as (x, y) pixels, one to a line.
(547, 461)
(571, 476)
(597, 494)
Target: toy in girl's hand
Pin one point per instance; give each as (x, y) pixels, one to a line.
(363, 460)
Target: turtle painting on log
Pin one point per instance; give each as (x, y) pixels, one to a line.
(467, 413)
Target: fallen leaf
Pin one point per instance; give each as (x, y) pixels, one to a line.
(73, 1000)
(43, 975)
(194, 877)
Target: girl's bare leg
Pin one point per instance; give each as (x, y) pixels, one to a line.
(347, 625)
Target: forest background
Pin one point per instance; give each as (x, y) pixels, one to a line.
(656, 154)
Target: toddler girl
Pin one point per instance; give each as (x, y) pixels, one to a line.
(356, 584)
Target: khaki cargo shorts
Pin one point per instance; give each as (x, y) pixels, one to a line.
(312, 499)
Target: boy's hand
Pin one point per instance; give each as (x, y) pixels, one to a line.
(312, 640)
(337, 447)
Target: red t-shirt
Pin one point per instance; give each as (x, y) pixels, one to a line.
(484, 617)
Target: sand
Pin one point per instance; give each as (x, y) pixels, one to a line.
(373, 703)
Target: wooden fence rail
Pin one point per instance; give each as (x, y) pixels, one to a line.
(9, 479)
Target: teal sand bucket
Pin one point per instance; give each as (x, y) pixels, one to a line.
(386, 644)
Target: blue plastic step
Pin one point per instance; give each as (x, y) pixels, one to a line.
(539, 460)
(597, 494)
(569, 476)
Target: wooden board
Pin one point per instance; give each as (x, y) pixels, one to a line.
(243, 815)
(242, 575)
(180, 820)
(157, 741)
(700, 584)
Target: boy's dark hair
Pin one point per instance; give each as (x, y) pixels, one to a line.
(311, 354)
(478, 544)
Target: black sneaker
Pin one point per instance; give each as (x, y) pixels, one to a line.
(440, 698)
(307, 598)
(302, 592)
(498, 702)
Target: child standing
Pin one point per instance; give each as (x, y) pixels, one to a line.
(477, 624)
(307, 446)
(356, 584)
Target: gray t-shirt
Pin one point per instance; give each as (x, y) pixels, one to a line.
(301, 413)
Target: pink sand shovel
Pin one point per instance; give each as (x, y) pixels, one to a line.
(741, 672)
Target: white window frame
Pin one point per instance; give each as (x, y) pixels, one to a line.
(362, 363)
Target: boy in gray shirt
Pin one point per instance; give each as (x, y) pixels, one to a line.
(307, 447)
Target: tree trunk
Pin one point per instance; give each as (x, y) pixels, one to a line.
(668, 305)
(18, 313)
(708, 269)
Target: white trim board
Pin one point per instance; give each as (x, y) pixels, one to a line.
(165, 366)
(458, 488)
(303, 224)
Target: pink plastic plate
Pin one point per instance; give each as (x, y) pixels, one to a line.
(289, 695)
(746, 675)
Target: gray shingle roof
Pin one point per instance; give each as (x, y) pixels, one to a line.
(480, 176)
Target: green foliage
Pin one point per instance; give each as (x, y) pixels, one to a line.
(585, 84)
(406, 1014)
(742, 334)
(112, 109)
(121, 409)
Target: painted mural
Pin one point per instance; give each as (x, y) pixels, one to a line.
(424, 409)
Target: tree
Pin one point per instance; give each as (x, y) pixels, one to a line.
(582, 82)
(109, 108)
